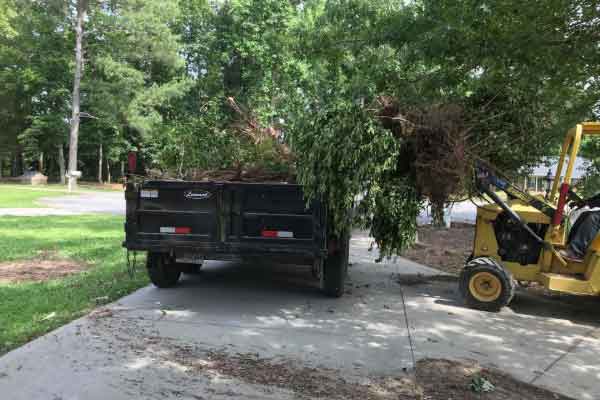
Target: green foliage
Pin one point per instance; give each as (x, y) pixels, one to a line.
(157, 75)
(136, 75)
(346, 157)
(33, 77)
(196, 142)
(499, 59)
(144, 112)
(7, 13)
(590, 184)
(480, 384)
(496, 61)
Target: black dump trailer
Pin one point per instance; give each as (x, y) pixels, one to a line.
(182, 223)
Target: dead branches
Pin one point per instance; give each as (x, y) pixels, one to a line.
(437, 137)
(249, 127)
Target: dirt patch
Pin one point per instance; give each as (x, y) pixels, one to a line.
(443, 249)
(42, 268)
(444, 379)
(433, 380)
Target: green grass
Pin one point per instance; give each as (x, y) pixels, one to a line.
(28, 310)
(25, 197)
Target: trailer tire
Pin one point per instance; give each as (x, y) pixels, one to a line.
(162, 271)
(485, 285)
(335, 268)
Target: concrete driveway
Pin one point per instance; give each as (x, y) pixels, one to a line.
(160, 344)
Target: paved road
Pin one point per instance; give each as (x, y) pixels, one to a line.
(84, 203)
(154, 343)
(96, 202)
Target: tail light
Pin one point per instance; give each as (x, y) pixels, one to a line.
(276, 234)
(180, 230)
(560, 206)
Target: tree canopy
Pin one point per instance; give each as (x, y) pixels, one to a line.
(344, 83)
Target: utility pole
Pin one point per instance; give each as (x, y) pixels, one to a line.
(73, 173)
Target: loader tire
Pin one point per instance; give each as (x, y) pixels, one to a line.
(335, 268)
(162, 271)
(485, 285)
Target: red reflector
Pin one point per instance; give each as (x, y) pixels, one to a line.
(183, 229)
(132, 162)
(266, 233)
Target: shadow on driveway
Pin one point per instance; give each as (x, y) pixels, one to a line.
(278, 312)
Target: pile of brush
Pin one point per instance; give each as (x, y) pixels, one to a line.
(435, 141)
(275, 161)
(262, 157)
(252, 174)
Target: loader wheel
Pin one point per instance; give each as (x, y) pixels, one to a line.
(163, 273)
(335, 268)
(485, 285)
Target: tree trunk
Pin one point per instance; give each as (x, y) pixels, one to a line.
(100, 162)
(108, 175)
(41, 163)
(437, 213)
(61, 163)
(13, 166)
(123, 170)
(74, 134)
(1, 167)
(17, 164)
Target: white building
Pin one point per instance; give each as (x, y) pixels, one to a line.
(536, 181)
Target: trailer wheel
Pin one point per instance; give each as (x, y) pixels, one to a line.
(163, 273)
(485, 285)
(335, 268)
